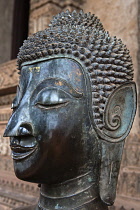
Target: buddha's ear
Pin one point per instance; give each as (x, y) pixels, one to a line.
(118, 118)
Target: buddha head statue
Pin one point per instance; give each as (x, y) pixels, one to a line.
(74, 107)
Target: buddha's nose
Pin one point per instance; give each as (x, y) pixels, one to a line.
(25, 130)
(19, 124)
(19, 130)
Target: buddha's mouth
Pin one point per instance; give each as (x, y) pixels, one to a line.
(19, 152)
(22, 147)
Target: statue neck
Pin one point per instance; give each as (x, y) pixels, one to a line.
(72, 194)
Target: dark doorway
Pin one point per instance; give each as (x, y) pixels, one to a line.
(20, 25)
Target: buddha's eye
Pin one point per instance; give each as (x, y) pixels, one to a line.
(52, 98)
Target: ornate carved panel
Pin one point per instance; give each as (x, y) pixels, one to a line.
(10, 182)
(6, 99)
(4, 146)
(8, 74)
(129, 183)
(129, 180)
(6, 164)
(5, 113)
(63, 3)
(17, 193)
(43, 10)
(131, 154)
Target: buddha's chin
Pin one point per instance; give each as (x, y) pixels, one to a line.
(30, 177)
(33, 177)
(27, 165)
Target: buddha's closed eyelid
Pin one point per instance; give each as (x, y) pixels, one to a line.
(52, 98)
(58, 84)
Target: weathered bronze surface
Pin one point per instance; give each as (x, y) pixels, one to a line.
(74, 107)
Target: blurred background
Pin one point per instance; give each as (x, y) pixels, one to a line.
(18, 19)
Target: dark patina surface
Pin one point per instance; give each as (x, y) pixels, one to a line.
(74, 107)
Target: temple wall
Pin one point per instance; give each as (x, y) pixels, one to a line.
(120, 18)
(6, 16)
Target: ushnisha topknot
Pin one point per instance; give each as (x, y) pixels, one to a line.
(82, 36)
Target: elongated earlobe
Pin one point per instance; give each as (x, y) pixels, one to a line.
(118, 119)
(111, 155)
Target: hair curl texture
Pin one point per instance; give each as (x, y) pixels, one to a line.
(82, 35)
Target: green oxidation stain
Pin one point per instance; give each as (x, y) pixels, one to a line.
(90, 179)
(58, 207)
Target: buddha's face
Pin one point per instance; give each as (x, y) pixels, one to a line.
(50, 122)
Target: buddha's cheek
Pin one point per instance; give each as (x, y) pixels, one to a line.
(59, 132)
(50, 124)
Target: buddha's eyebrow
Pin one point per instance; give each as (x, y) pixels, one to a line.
(61, 84)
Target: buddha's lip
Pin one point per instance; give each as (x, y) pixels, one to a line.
(20, 152)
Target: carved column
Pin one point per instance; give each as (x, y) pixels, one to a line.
(41, 11)
(139, 57)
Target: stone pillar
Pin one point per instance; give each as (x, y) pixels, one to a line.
(6, 16)
(138, 57)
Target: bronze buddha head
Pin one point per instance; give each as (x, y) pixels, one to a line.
(75, 104)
